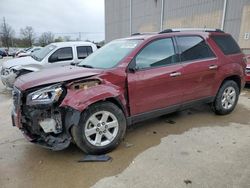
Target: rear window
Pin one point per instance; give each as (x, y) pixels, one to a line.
(227, 44)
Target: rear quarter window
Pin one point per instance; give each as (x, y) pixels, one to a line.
(227, 44)
(193, 48)
(83, 51)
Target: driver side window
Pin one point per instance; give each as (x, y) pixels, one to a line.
(62, 54)
(158, 53)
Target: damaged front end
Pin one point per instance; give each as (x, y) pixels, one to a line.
(8, 77)
(39, 115)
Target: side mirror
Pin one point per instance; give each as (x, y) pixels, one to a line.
(132, 69)
(132, 66)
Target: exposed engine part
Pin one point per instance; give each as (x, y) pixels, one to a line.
(49, 125)
(85, 84)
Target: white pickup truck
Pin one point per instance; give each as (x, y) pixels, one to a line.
(52, 55)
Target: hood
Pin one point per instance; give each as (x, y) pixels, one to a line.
(19, 61)
(54, 75)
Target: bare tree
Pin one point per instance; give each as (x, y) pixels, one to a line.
(7, 34)
(66, 38)
(46, 38)
(28, 35)
(59, 39)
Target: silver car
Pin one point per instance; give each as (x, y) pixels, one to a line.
(55, 54)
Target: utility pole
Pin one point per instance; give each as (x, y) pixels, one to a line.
(80, 36)
(130, 17)
(162, 14)
(224, 15)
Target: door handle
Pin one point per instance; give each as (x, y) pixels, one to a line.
(175, 74)
(213, 67)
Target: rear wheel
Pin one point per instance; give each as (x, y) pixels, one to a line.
(226, 98)
(102, 127)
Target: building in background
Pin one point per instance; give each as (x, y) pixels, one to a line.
(124, 17)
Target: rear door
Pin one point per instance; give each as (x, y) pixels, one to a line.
(156, 83)
(199, 67)
(83, 52)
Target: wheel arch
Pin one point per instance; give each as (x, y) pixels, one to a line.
(82, 99)
(235, 78)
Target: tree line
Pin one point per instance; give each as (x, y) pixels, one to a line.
(27, 37)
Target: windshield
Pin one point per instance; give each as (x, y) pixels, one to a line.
(39, 55)
(110, 55)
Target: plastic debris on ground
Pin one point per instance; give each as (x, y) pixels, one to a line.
(95, 158)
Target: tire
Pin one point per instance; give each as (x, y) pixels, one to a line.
(91, 135)
(226, 98)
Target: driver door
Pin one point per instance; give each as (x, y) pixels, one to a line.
(156, 83)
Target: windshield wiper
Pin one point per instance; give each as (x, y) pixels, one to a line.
(86, 66)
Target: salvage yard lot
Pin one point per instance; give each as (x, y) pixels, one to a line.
(190, 148)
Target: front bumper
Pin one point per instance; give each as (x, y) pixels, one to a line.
(28, 119)
(34, 133)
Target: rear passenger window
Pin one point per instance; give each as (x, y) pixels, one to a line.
(227, 44)
(158, 53)
(83, 51)
(193, 48)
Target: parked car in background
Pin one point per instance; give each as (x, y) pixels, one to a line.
(53, 55)
(12, 52)
(3, 53)
(28, 52)
(127, 81)
(20, 51)
(246, 51)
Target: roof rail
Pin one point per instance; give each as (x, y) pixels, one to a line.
(191, 29)
(146, 33)
(135, 34)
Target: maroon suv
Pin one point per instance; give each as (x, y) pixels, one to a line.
(127, 81)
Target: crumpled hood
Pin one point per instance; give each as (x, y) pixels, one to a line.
(19, 61)
(53, 75)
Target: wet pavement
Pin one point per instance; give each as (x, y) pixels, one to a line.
(154, 153)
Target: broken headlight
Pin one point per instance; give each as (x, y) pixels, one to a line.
(46, 95)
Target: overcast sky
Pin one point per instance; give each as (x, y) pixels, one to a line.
(62, 17)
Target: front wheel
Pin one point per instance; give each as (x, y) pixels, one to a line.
(101, 128)
(226, 98)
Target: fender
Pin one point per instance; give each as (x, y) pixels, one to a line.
(229, 70)
(28, 68)
(82, 98)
